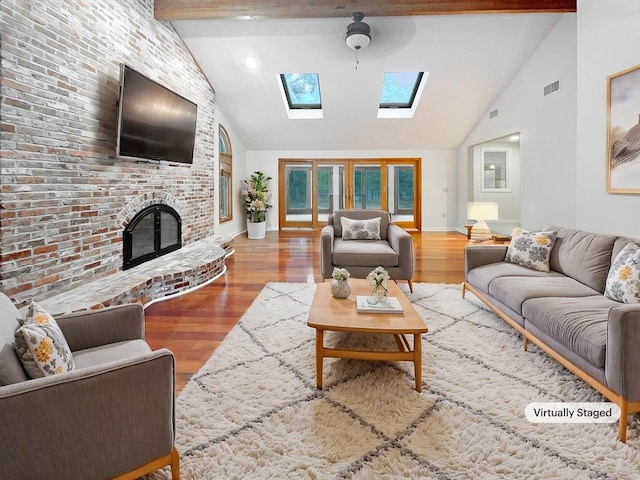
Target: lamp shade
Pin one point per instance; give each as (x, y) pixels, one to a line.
(482, 211)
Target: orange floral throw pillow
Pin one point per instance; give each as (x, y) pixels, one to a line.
(623, 281)
(41, 345)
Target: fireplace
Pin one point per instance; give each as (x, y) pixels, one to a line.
(153, 232)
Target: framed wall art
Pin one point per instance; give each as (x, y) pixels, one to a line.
(623, 131)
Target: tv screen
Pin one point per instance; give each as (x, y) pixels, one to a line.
(154, 123)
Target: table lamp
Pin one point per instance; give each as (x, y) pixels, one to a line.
(481, 211)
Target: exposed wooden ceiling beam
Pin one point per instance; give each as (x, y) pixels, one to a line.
(207, 9)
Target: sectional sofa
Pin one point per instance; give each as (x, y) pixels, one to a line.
(583, 311)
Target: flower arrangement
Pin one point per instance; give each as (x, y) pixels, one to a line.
(340, 287)
(340, 274)
(378, 277)
(256, 197)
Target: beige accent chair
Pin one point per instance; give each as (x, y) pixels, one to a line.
(113, 416)
(394, 251)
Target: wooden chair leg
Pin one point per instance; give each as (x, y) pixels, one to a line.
(525, 343)
(411, 285)
(464, 288)
(622, 423)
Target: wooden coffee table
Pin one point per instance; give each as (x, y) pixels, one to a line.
(341, 315)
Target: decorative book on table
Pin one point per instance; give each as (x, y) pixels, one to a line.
(392, 305)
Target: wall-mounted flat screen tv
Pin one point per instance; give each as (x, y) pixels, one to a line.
(154, 123)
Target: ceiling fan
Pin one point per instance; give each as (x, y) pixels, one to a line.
(358, 33)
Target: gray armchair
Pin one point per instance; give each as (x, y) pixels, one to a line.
(394, 250)
(110, 417)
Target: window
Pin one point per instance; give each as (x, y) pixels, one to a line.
(226, 167)
(495, 170)
(400, 94)
(301, 94)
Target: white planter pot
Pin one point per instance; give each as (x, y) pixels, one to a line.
(256, 230)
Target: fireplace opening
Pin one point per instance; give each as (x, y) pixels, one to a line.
(153, 232)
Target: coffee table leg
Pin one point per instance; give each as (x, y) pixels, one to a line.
(319, 356)
(417, 360)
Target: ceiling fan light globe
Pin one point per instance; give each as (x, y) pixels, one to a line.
(357, 41)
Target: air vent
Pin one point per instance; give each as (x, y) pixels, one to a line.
(552, 87)
(493, 113)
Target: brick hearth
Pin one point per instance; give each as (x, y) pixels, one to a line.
(177, 272)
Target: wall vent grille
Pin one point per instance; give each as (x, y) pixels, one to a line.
(552, 87)
(493, 113)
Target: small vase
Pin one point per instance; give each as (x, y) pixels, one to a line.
(381, 293)
(340, 288)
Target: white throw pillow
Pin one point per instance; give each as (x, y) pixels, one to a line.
(623, 281)
(41, 345)
(531, 249)
(360, 229)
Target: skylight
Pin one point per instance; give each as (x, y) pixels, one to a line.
(301, 93)
(302, 89)
(400, 94)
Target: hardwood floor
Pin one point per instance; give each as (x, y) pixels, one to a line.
(194, 324)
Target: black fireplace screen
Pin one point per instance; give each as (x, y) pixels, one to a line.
(153, 232)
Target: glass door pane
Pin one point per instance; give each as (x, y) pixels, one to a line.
(298, 187)
(401, 192)
(367, 191)
(331, 191)
(311, 189)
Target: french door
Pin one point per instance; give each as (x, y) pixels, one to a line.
(310, 190)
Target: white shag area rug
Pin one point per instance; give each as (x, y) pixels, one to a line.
(253, 410)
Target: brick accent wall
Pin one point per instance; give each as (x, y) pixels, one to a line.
(65, 197)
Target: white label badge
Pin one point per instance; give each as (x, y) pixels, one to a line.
(580, 412)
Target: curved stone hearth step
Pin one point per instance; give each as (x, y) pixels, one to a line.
(177, 272)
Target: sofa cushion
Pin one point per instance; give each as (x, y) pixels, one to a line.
(623, 281)
(531, 249)
(11, 370)
(580, 324)
(362, 254)
(110, 353)
(619, 244)
(582, 255)
(360, 229)
(481, 277)
(41, 346)
(514, 291)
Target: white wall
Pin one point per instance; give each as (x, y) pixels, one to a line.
(238, 222)
(439, 179)
(547, 126)
(608, 42)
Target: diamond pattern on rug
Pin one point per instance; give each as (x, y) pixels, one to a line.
(253, 410)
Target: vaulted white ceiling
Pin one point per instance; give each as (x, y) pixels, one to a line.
(470, 59)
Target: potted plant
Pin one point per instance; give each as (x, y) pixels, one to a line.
(256, 202)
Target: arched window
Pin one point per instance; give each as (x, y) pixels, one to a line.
(226, 167)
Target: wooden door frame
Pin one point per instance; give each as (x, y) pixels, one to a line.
(348, 163)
